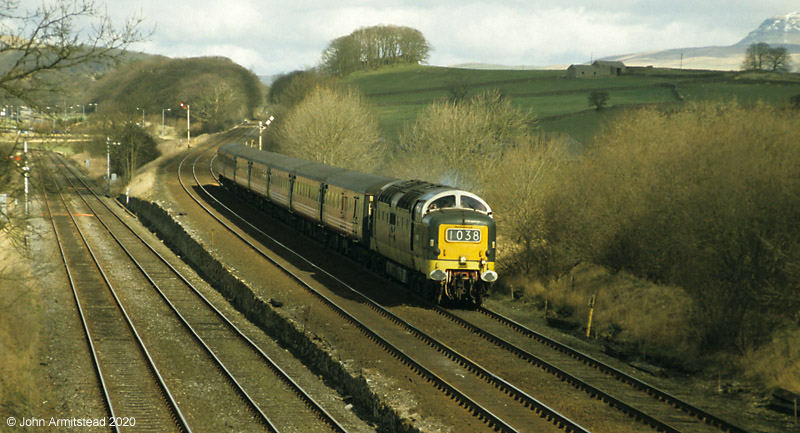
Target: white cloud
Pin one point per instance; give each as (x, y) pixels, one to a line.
(272, 36)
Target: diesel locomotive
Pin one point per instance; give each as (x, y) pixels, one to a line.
(437, 240)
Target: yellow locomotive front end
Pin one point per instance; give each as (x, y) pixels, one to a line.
(438, 240)
(461, 254)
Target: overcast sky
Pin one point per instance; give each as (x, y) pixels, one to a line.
(273, 37)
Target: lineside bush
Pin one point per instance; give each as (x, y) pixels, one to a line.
(460, 143)
(706, 198)
(333, 127)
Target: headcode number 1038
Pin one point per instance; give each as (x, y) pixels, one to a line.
(463, 235)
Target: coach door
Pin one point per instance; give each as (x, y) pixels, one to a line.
(249, 174)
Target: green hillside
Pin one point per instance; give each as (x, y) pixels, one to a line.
(560, 103)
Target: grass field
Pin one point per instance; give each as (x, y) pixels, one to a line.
(401, 93)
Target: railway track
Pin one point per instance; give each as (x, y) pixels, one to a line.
(524, 348)
(131, 384)
(483, 393)
(592, 363)
(642, 402)
(479, 391)
(222, 368)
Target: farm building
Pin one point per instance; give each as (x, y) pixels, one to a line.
(599, 68)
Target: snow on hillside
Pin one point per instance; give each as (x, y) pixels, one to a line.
(783, 29)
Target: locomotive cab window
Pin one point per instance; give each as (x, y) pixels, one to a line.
(468, 202)
(443, 202)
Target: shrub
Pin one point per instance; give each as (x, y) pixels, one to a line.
(598, 99)
(332, 127)
(523, 175)
(459, 144)
(707, 198)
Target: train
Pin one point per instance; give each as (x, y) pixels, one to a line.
(437, 240)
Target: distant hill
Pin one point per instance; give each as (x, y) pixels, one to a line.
(713, 58)
(220, 91)
(401, 94)
(73, 82)
(782, 30)
(490, 67)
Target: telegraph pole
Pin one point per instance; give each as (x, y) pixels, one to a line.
(162, 119)
(25, 171)
(188, 125)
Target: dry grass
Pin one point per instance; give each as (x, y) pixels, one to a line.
(143, 183)
(657, 319)
(19, 333)
(145, 179)
(644, 313)
(777, 363)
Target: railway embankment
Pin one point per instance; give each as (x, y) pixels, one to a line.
(268, 315)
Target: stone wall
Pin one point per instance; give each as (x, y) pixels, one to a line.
(272, 320)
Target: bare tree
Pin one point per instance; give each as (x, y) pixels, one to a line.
(332, 127)
(754, 56)
(763, 57)
(341, 57)
(459, 143)
(214, 102)
(458, 90)
(54, 37)
(37, 44)
(777, 59)
(290, 89)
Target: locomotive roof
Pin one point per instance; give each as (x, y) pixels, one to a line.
(408, 193)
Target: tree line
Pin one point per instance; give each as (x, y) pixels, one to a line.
(761, 56)
(220, 92)
(39, 45)
(373, 47)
